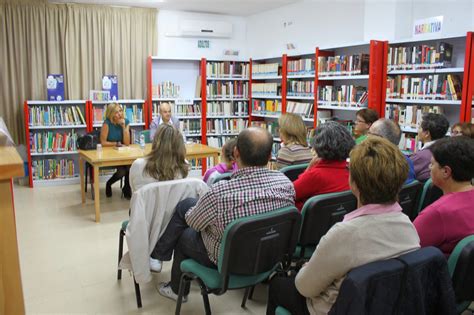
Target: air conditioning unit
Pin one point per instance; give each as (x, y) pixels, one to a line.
(200, 28)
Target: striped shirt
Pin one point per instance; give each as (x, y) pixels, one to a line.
(250, 191)
(293, 154)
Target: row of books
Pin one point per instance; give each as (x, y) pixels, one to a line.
(420, 57)
(52, 168)
(300, 88)
(266, 106)
(190, 126)
(218, 142)
(266, 69)
(227, 108)
(191, 110)
(344, 65)
(55, 116)
(227, 69)
(266, 89)
(234, 125)
(271, 126)
(411, 115)
(432, 87)
(343, 95)
(300, 108)
(43, 142)
(301, 66)
(217, 89)
(165, 89)
(409, 142)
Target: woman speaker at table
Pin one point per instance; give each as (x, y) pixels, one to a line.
(116, 131)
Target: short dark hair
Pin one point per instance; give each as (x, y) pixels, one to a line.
(436, 124)
(458, 154)
(255, 146)
(332, 141)
(369, 115)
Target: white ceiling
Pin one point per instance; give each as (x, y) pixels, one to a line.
(228, 7)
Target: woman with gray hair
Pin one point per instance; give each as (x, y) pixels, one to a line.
(327, 172)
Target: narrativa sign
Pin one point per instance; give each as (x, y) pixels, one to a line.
(429, 26)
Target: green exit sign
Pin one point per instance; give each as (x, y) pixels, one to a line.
(204, 43)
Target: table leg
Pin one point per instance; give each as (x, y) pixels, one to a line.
(96, 194)
(81, 175)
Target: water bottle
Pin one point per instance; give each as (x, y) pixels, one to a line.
(142, 142)
(99, 150)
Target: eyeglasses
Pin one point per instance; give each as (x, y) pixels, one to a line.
(358, 121)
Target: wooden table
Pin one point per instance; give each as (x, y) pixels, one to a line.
(11, 293)
(113, 157)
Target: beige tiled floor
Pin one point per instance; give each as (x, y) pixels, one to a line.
(68, 262)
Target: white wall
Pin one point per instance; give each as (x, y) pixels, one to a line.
(179, 47)
(308, 24)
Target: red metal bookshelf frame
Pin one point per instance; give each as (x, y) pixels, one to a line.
(149, 115)
(468, 80)
(284, 78)
(377, 76)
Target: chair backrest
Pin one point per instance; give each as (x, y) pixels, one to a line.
(408, 198)
(293, 171)
(414, 283)
(217, 178)
(321, 212)
(461, 268)
(255, 244)
(430, 194)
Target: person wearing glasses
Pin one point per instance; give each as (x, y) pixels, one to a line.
(364, 119)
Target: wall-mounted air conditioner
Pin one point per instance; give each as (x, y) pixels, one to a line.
(200, 28)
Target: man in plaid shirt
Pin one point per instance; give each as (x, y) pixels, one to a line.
(196, 229)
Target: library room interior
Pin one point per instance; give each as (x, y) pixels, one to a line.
(237, 157)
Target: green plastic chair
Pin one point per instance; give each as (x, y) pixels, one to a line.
(409, 197)
(461, 270)
(430, 194)
(319, 214)
(280, 310)
(265, 240)
(293, 171)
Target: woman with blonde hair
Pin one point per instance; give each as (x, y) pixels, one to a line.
(116, 131)
(166, 161)
(376, 230)
(294, 149)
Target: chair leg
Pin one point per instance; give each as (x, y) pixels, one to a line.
(246, 294)
(205, 299)
(251, 293)
(137, 293)
(120, 253)
(182, 284)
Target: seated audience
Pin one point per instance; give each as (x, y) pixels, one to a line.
(166, 161)
(116, 131)
(451, 218)
(164, 117)
(364, 119)
(462, 129)
(432, 127)
(391, 131)
(294, 146)
(197, 226)
(327, 172)
(376, 230)
(227, 166)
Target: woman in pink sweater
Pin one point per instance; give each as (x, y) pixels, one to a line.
(449, 219)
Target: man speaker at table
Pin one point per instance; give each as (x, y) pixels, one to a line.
(164, 117)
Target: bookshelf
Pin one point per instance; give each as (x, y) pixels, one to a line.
(268, 87)
(133, 110)
(349, 78)
(428, 76)
(52, 129)
(226, 99)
